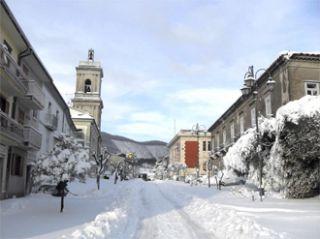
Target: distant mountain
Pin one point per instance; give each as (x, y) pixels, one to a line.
(146, 152)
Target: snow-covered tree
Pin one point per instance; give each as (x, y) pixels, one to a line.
(176, 168)
(101, 164)
(67, 161)
(161, 167)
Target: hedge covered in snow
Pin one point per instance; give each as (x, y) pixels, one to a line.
(290, 149)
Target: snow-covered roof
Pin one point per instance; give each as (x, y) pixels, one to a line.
(79, 114)
(288, 54)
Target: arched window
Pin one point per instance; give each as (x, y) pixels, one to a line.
(87, 86)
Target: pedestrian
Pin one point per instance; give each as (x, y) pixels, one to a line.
(62, 188)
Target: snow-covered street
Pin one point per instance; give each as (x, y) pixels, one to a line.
(158, 209)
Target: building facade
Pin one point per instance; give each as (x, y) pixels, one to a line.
(87, 104)
(191, 150)
(86, 124)
(294, 75)
(32, 111)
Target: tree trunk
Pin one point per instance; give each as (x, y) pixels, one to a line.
(62, 201)
(98, 181)
(115, 177)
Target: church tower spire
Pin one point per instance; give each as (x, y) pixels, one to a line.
(88, 88)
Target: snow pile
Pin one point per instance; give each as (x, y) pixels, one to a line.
(288, 143)
(102, 226)
(67, 160)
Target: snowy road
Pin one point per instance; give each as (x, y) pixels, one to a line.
(174, 223)
(160, 209)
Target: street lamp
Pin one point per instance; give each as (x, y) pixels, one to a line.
(196, 130)
(251, 85)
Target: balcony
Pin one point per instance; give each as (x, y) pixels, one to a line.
(32, 138)
(12, 80)
(34, 98)
(51, 121)
(10, 129)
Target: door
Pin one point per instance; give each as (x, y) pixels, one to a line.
(191, 154)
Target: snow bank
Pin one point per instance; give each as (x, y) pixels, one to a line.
(101, 227)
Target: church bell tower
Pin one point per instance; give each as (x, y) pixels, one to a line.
(88, 88)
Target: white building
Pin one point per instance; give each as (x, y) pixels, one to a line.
(32, 112)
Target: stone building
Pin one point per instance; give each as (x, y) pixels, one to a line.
(87, 103)
(192, 150)
(293, 76)
(32, 111)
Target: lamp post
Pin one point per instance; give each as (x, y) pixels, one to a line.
(251, 85)
(196, 130)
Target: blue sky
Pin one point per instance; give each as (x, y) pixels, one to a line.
(165, 60)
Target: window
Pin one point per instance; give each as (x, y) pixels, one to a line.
(20, 116)
(241, 123)
(204, 144)
(218, 139)
(4, 105)
(14, 106)
(35, 114)
(253, 117)
(267, 103)
(312, 88)
(87, 86)
(16, 166)
(209, 146)
(232, 131)
(224, 137)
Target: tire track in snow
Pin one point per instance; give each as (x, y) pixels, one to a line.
(165, 219)
(198, 230)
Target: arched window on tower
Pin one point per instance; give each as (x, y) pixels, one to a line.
(87, 86)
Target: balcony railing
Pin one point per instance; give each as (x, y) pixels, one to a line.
(32, 138)
(13, 78)
(34, 95)
(51, 121)
(10, 128)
